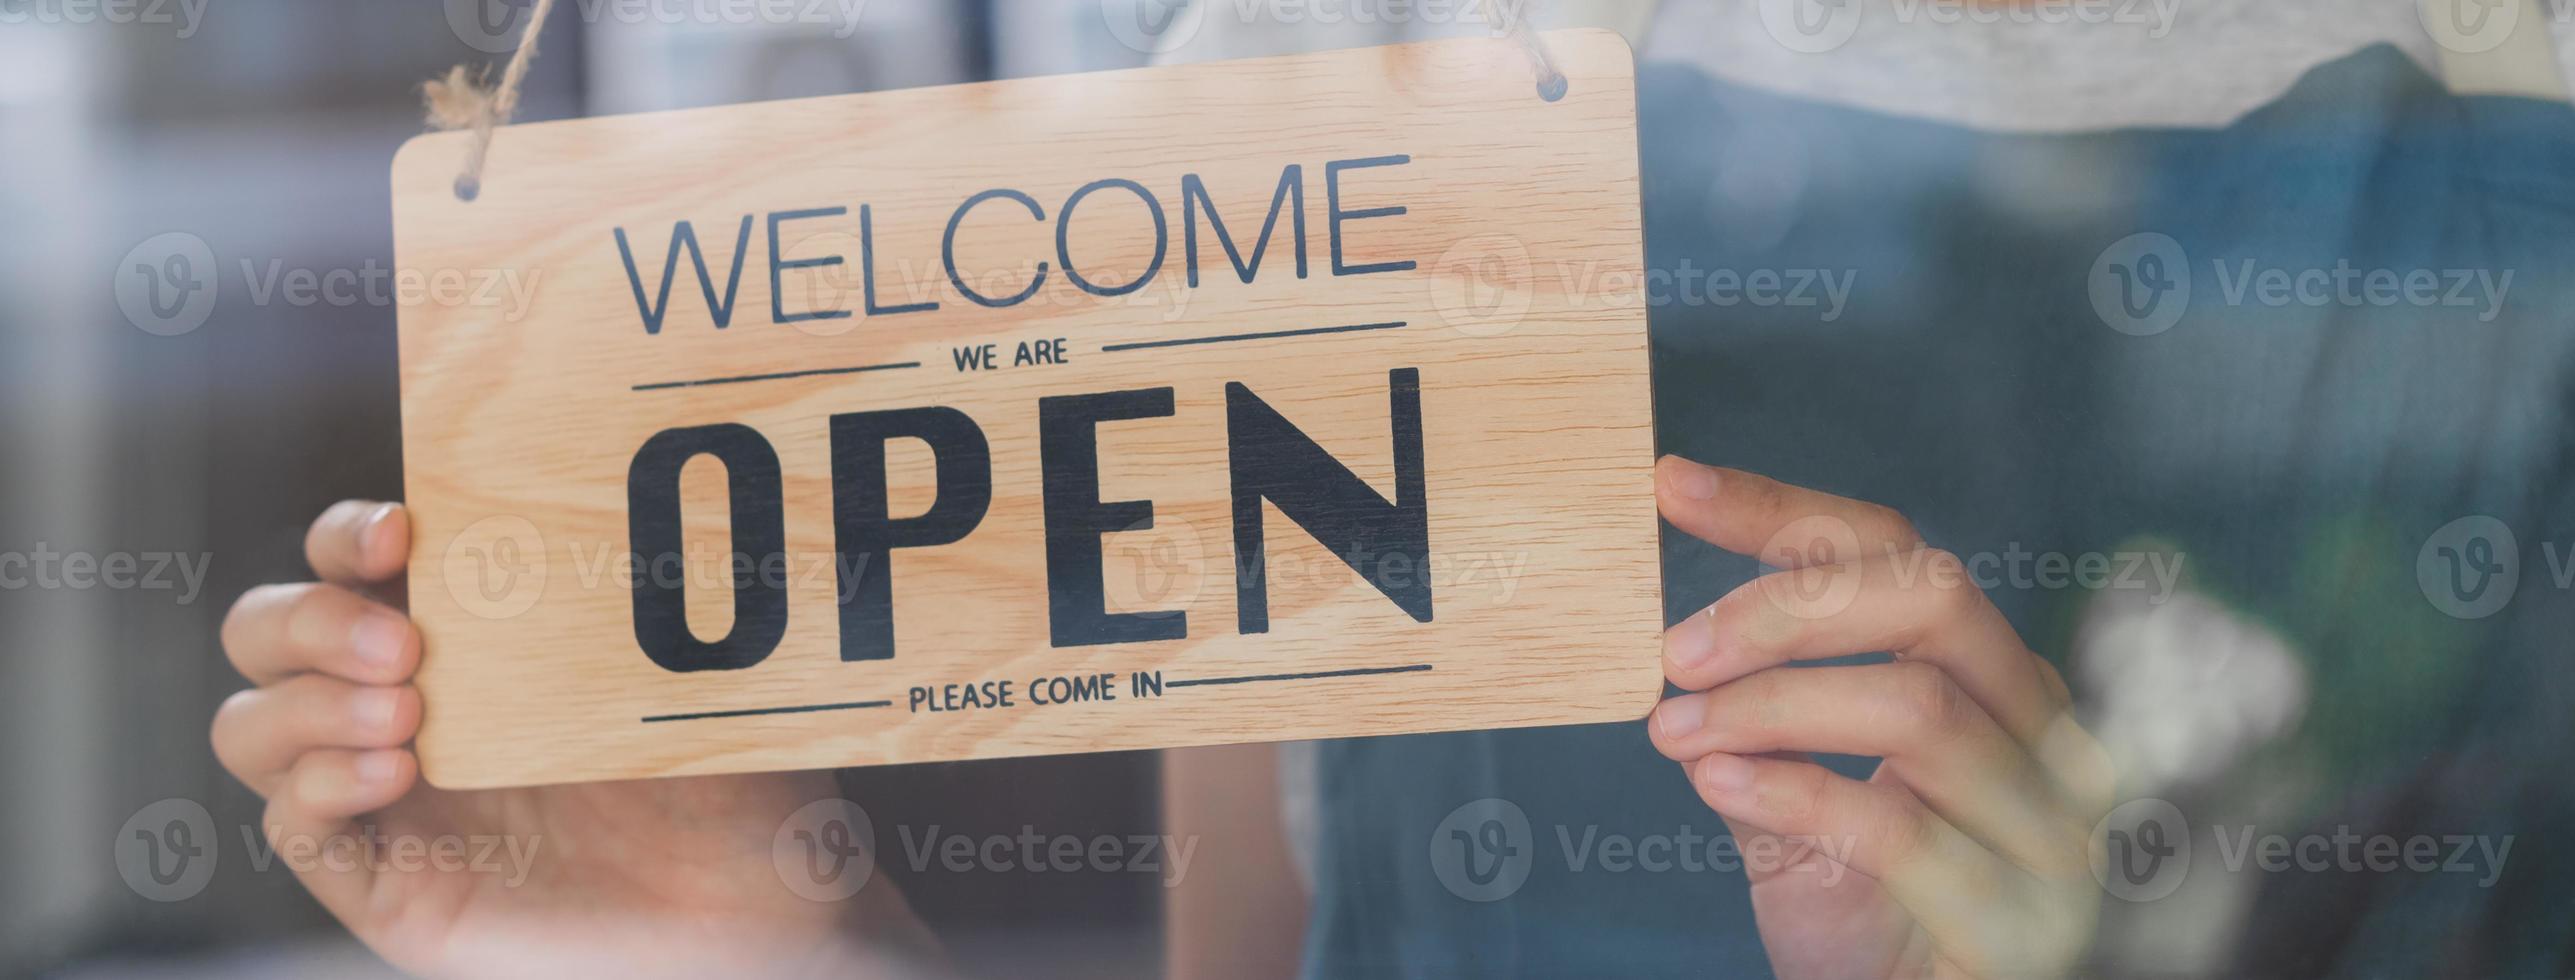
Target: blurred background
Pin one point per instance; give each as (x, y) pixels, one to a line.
(2310, 461)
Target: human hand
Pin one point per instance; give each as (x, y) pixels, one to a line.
(654, 877)
(1972, 840)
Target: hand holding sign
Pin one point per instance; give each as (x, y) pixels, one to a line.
(918, 564)
(1971, 842)
(1999, 764)
(664, 876)
(839, 426)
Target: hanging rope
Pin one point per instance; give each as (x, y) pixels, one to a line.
(461, 101)
(1551, 82)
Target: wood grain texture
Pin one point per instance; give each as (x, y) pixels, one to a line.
(1521, 316)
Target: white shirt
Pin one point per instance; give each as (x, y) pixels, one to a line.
(2012, 65)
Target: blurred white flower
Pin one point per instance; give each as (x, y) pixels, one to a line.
(2184, 688)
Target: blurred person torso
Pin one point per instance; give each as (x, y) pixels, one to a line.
(2035, 280)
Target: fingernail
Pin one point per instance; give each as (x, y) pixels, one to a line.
(1722, 773)
(367, 533)
(378, 767)
(1692, 642)
(379, 638)
(1678, 717)
(1691, 479)
(375, 709)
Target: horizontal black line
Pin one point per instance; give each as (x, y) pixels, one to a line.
(1271, 335)
(659, 385)
(747, 712)
(1317, 675)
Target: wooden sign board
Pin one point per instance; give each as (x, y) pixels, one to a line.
(1271, 399)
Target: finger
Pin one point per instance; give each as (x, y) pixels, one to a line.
(1936, 741)
(1785, 526)
(314, 808)
(1766, 854)
(277, 631)
(2081, 765)
(359, 542)
(261, 732)
(1945, 880)
(2055, 681)
(1778, 854)
(1919, 604)
(2080, 762)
